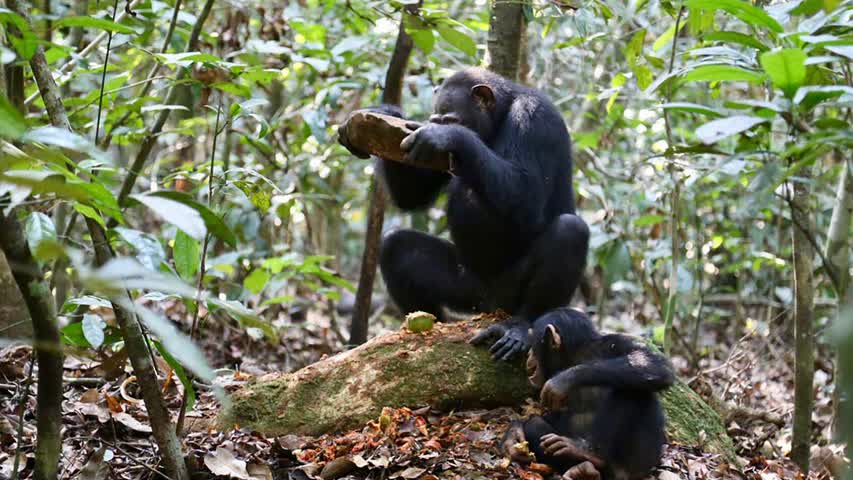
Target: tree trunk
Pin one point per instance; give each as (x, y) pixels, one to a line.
(506, 29)
(392, 94)
(803, 318)
(437, 368)
(837, 253)
(39, 301)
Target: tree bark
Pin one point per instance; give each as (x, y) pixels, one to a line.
(392, 94)
(437, 368)
(801, 216)
(36, 292)
(837, 253)
(506, 29)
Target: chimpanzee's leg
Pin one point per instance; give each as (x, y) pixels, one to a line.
(545, 279)
(554, 266)
(423, 272)
(628, 433)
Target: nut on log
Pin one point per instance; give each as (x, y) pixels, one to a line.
(380, 135)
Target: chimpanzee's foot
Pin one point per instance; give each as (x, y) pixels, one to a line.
(583, 471)
(512, 338)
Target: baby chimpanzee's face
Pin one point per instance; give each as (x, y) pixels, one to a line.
(535, 375)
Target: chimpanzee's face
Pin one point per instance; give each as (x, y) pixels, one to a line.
(457, 104)
(535, 375)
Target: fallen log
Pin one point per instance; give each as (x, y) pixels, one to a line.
(436, 368)
(380, 135)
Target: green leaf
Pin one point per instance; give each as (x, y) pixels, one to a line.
(211, 220)
(741, 9)
(648, 220)
(177, 343)
(256, 281)
(736, 37)
(719, 72)
(90, 212)
(39, 228)
(93, 329)
(786, 68)
(634, 48)
(148, 249)
(93, 22)
(177, 213)
(717, 130)
(179, 371)
(458, 39)
(665, 38)
(12, 123)
(187, 254)
(424, 39)
(72, 334)
(644, 76)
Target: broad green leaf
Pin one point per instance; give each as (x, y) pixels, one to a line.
(634, 48)
(719, 72)
(90, 212)
(187, 255)
(811, 96)
(644, 76)
(179, 371)
(12, 123)
(178, 214)
(256, 281)
(665, 38)
(72, 334)
(458, 39)
(39, 228)
(717, 130)
(93, 22)
(738, 38)
(786, 68)
(148, 249)
(692, 108)
(177, 343)
(424, 39)
(741, 9)
(93, 329)
(648, 220)
(213, 222)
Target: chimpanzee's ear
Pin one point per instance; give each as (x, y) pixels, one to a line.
(484, 95)
(552, 337)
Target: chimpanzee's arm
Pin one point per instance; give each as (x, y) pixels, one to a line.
(411, 188)
(627, 365)
(533, 142)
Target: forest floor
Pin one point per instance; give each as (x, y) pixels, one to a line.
(106, 434)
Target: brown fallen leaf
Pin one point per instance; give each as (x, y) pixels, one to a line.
(128, 421)
(223, 462)
(409, 473)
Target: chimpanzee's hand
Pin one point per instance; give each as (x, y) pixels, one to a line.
(512, 338)
(343, 138)
(555, 393)
(429, 141)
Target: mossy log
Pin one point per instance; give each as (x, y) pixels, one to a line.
(381, 135)
(437, 368)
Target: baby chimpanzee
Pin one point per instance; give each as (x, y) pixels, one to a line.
(604, 419)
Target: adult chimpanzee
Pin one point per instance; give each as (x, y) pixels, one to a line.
(517, 244)
(604, 418)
